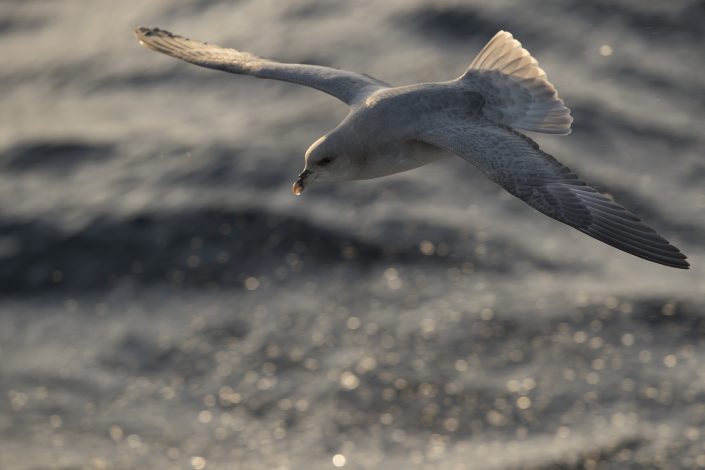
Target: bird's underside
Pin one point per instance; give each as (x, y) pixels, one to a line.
(515, 94)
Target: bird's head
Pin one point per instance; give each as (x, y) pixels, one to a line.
(324, 162)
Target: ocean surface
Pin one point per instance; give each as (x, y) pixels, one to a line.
(165, 302)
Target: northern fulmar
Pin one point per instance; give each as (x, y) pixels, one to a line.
(475, 116)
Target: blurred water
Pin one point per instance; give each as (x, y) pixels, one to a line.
(166, 302)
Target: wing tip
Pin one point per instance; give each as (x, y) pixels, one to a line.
(144, 32)
(675, 259)
(678, 261)
(680, 264)
(146, 36)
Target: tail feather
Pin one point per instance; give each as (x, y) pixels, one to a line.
(515, 88)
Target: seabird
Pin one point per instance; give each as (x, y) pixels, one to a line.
(475, 116)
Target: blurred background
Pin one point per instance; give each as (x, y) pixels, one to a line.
(167, 303)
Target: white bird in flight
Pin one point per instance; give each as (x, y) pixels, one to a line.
(474, 116)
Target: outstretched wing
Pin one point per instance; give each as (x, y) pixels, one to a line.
(517, 164)
(349, 87)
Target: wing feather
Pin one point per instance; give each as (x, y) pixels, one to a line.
(518, 164)
(349, 87)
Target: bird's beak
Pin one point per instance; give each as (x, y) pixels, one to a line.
(300, 183)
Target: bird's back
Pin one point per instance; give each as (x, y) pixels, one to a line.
(399, 113)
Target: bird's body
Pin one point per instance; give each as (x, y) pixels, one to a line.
(389, 130)
(406, 111)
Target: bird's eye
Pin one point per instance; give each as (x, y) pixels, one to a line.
(325, 161)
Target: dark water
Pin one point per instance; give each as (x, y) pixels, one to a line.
(166, 302)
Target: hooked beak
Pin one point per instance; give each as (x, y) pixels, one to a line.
(300, 183)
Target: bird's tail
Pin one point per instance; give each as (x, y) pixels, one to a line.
(516, 91)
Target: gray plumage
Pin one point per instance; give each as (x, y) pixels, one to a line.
(474, 117)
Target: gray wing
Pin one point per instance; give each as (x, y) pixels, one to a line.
(517, 164)
(349, 87)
